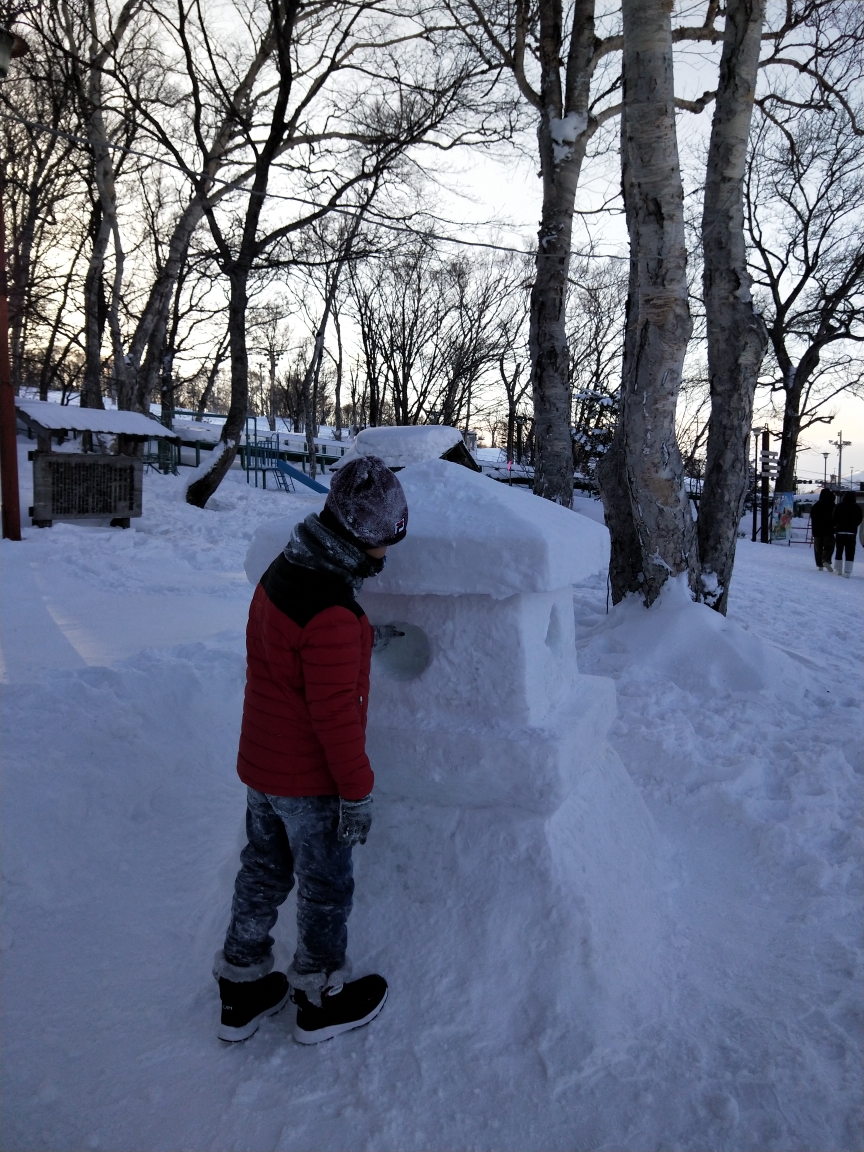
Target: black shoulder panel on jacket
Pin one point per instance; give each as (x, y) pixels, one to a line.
(302, 593)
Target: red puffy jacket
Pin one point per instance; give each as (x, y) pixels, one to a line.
(308, 649)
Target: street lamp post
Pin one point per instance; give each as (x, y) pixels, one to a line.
(10, 47)
(840, 444)
(825, 456)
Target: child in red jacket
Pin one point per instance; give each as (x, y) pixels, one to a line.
(303, 758)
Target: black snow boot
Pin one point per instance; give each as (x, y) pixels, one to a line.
(343, 1007)
(244, 1005)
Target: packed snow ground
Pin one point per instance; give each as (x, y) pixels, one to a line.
(122, 819)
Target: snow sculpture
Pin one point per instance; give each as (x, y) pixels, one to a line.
(486, 573)
(511, 851)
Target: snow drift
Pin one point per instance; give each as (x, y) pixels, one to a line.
(693, 646)
(122, 823)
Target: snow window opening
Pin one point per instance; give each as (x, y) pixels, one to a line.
(405, 657)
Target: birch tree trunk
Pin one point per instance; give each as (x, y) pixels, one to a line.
(795, 379)
(642, 477)
(339, 366)
(92, 98)
(568, 118)
(271, 404)
(562, 135)
(95, 310)
(737, 336)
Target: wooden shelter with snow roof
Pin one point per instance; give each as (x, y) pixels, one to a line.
(84, 484)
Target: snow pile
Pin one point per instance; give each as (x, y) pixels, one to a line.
(517, 1018)
(693, 646)
(565, 132)
(753, 772)
(500, 720)
(269, 539)
(399, 447)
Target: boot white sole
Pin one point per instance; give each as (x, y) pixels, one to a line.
(233, 1035)
(322, 1034)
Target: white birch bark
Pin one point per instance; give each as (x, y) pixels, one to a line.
(737, 336)
(642, 477)
(562, 135)
(103, 177)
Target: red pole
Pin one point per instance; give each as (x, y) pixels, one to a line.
(8, 444)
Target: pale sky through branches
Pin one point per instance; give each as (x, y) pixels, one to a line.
(499, 195)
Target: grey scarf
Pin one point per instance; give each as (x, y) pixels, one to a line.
(313, 545)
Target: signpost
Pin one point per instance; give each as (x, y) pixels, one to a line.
(840, 444)
(767, 469)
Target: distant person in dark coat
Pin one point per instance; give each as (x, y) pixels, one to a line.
(847, 517)
(822, 529)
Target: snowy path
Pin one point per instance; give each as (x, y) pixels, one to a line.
(758, 794)
(122, 818)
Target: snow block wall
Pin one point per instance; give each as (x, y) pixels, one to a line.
(525, 872)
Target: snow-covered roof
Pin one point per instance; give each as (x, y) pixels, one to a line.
(468, 533)
(57, 417)
(193, 430)
(399, 447)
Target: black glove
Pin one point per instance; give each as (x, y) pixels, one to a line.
(355, 820)
(384, 633)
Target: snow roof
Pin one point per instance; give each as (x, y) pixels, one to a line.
(193, 430)
(399, 447)
(57, 417)
(468, 533)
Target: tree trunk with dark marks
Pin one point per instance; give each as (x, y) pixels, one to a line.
(95, 311)
(154, 317)
(795, 378)
(199, 492)
(89, 82)
(625, 555)
(737, 336)
(562, 133)
(644, 468)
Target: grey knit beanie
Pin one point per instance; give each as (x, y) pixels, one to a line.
(367, 503)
